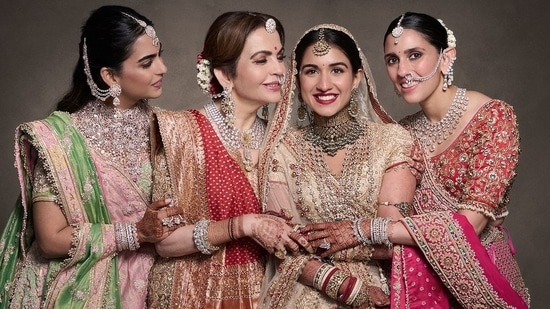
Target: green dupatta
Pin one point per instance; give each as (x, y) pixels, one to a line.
(67, 159)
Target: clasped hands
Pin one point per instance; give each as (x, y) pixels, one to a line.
(331, 237)
(275, 234)
(159, 221)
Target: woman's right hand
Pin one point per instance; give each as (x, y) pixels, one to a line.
(274, 234)
(159, 221)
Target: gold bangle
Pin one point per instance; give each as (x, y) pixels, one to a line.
(334, 284)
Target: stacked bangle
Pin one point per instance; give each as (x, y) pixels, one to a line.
(321, 274)
(200, 237)
(358, 232)
(126, 236)
(334, 282)
(379, 231)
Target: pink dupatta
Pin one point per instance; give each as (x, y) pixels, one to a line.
(450, 264)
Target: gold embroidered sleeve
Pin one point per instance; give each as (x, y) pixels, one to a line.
(42, 187)
(404, 151)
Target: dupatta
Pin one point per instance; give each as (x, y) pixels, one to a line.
(89, 276)
(450, 261)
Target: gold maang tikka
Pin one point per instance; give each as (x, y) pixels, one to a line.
(321, 47)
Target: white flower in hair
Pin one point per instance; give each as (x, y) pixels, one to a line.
(451, 40)
(203, 74)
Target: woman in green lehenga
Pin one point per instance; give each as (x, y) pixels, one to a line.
(78, 235)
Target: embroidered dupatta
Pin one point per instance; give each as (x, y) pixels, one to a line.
(195, 169)
(450, 258)
(89, 277)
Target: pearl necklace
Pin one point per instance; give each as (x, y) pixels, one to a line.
(432, 134)
(234, 138)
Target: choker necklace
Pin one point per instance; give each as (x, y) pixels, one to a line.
(432, 134)
(234, 138)
(333, 133)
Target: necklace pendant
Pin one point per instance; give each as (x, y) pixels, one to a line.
(248, 165)
(247, 160)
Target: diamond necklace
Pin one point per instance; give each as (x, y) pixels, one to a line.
(333, 133)
(120, 136)
(432, 134)
(234, 138)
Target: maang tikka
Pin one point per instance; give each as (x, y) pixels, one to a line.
(321, 47)
(398, 30)
(270, 25)
(149, 30)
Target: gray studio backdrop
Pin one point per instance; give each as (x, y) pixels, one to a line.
(503, 51)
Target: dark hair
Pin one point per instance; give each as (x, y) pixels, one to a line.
(334, 37)
(425, 24)
(226, 37)
(109, 36)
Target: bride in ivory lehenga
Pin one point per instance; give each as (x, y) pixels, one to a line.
(345, 160)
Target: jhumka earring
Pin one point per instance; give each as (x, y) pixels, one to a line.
(102, 94)
(398, 30)
(265, 111)
(302, 110)
(115, 91)
(397, 92)
(321, 47)
(353, 106)
(228, 106)
(449, 76)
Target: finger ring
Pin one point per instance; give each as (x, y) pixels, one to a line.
(297, 227)
(177, 219)
(168, 221)
(325, 245)
(281, 255)
(172, 220)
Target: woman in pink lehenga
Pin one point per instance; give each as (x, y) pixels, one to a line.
(453, 250)
(78, 235)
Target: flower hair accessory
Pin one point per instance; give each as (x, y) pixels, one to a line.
(451, 40)
(204, 76)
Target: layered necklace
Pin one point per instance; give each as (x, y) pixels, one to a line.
(433, 134)
(120, 136)
(234, 138)
(333, 133)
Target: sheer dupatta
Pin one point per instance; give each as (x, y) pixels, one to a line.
(369, 108)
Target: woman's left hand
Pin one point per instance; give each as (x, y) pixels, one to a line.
(274, 234)
(330, 237)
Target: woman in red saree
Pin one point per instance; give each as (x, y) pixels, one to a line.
(207, 161)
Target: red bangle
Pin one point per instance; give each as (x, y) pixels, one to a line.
(351, 283)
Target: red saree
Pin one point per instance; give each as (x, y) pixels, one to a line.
(207, 182)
